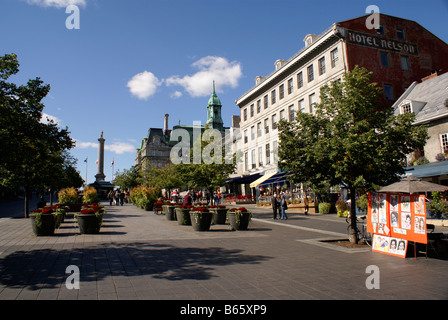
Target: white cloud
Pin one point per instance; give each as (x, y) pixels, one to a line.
(120, 147)
(219, 69)
(116, 147)
(143, 85)
(176, 94)
(46, 118)
(57, 3)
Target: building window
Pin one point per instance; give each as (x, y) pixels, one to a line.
(266, 101)
(260, 156)
(384, 59)
(274, 121)
(246, 162)
(252, 159)
(291, 113)
(252, 133)
(444, 142)
(281, 91)
(400, 33)
(266, 125)
(273, 97)
(246, 137)
(275, 147)
(312, 100)
(259, 131)
(407, 108)
(310, 73)
(290, 86)
(388, 92)
(258, 106)
(302, 105)
(268, 154)
(380, 30)
(404, 63)
(321, 66)
(252, 110)
(334, 57)
(245, 114)
(300, 80)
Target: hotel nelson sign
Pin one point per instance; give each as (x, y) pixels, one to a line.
(372, 41)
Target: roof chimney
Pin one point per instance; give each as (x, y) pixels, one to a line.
(433, 74)
(165, 123)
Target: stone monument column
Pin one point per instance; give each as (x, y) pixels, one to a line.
(100, 176)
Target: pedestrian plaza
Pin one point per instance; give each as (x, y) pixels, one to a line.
(139, 255)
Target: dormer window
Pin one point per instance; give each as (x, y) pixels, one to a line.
(406, 108)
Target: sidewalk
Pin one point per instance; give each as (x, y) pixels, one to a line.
(140, 255)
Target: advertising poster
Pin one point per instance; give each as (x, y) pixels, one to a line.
(395, 219)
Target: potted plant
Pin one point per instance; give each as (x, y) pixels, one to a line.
(183, 215)
(239, 218)
(90, 218)
(201, 218)
(89, 195)
(69, 197)
(219, 214)
(43, 221)
(169, 211)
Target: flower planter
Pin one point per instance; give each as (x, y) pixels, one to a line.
(183, 216)
(73, 207)
(59, 218)
(43, 224)
(219, 216)
(170, 213)
(89, 223)
(201, 221)
(239, 220)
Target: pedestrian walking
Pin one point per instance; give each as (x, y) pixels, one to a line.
(307, 204)
(121, 197)
(283, 206)
(187, 199)
(274, 202)
(110, 196)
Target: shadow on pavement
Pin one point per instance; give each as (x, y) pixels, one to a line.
(45, 268)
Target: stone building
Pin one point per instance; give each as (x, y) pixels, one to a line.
(398, 53)
(428, 99)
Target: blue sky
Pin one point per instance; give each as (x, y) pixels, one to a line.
(130, 62)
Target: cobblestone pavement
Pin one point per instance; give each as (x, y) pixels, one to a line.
(142, 256)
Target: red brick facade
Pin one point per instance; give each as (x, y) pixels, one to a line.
(401, 42)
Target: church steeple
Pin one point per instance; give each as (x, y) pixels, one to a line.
(214, 111)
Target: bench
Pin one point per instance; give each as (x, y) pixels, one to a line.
(157, 208)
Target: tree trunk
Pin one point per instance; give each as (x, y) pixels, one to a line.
(27, 203)
(353, 236)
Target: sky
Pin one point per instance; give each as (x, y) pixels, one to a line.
(119, 66)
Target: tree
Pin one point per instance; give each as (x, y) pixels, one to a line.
(126, 179)
(350, 140)
(213, 169)
(28, 145)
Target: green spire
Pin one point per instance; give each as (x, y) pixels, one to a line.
(214, 100)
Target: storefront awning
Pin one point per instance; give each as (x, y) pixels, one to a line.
(244, 179)
(429, 170)
(278, 178)
(262, 179)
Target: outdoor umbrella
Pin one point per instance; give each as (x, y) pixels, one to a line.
(411, 184)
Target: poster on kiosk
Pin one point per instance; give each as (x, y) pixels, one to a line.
(394, 220)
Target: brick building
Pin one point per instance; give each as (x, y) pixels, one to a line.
(398, 53)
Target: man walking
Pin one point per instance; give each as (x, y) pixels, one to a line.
(275, 204)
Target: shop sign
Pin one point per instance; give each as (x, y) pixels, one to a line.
(372, 41)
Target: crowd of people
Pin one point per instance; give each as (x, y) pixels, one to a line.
(116, 197)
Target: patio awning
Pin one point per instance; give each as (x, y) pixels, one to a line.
(278, 178)
(244, 179)
(429, 170)
(262, 179)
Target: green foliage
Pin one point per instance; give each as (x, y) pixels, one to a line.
(350, 140)
(324, 207)
(89, 195)
(438, 207)
(68, 196)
